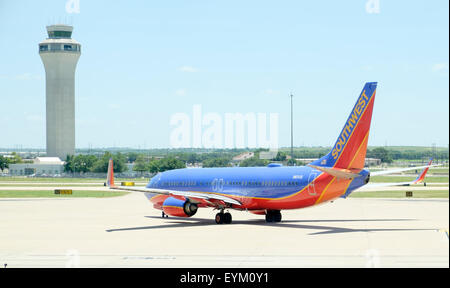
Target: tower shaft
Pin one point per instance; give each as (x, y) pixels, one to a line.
(60, 55)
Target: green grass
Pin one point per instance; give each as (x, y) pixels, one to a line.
(433, 185)
(391, 179)
(437, 171)
(37, 184)
(69, 180)
(401, 194)
(51, 194)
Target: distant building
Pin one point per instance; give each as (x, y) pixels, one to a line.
(243, 156)
(368, 162)
(306, 160)
(194, 165)
(372, 162)
(41, 166)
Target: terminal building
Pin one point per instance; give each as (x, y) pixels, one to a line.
(41, 166)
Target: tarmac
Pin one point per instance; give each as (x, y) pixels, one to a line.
(126, 231)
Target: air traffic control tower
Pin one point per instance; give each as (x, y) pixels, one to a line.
(60, 53)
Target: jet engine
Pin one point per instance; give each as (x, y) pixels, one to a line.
(367, 178)
(179, 208)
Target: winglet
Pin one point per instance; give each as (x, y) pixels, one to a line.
(110, 175)
(422, 175)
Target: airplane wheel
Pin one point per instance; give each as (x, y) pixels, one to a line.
(273, 216)
(219, 218)
(227, 219)
(277, 217)
(269, 217)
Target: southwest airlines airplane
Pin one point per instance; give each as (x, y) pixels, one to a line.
(268, 190)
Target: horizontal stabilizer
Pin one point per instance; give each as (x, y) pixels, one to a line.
(339, 172)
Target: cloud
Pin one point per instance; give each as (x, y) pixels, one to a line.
(271, 92)
(113, 106)
(180, 92)
(440, 68)
(188, 69)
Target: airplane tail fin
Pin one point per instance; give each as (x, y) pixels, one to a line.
(421, 177)
(349, 151)
(110, 175)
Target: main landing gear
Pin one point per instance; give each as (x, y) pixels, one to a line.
(223, 218)
(164, 215)
(273, 216)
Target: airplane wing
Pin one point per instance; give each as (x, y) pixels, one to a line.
(387, 172)
(191, 195)
(418, 180)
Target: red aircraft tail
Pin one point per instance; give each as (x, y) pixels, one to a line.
(422, 175)
(110, 175)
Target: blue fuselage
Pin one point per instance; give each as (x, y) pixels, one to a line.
(256, 182)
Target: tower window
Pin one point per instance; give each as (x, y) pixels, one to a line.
(59, 34)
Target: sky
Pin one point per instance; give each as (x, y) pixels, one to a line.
(142, 62)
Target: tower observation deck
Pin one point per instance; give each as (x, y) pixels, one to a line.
(60, 54)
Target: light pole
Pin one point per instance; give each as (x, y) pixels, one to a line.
(292, 130)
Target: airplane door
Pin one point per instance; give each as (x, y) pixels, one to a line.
(311, 186)
(243, 192)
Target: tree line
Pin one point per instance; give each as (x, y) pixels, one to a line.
(168, 160)
(6, 161)
(91, 163)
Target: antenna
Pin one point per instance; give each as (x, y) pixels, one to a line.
(292, 129)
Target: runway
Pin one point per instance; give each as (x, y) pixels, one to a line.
(127, 232)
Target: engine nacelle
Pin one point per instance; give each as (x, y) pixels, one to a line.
(179, 208)
(367, 180)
